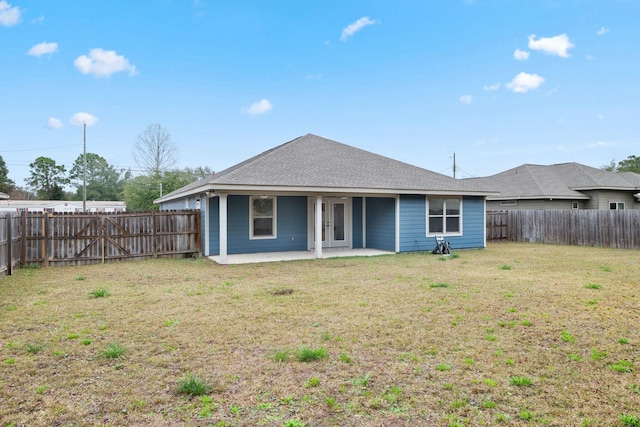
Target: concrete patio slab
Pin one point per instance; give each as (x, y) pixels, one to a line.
(297, 255)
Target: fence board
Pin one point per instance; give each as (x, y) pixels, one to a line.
(586, 227)
(75, 239)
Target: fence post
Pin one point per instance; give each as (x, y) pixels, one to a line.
(153, 237)
(45, 239)
(9, 219)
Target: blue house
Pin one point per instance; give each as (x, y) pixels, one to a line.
(313, 193)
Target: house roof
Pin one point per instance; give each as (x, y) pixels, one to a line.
(3, 196)
(559, 181)
(315, 164)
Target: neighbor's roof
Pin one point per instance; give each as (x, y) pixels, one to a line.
(560, 181)
(313, 163)
(3, 195)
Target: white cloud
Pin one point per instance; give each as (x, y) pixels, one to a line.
(491, 88)
(521, 55)
(353, 28)
(599, 144)
(524, 82)
(9, 15)
(81, 118)
(54, 123)
(556, 45)
(260, 107)
(103, 63)
(602, 31)
(42, 49)
(466, 99)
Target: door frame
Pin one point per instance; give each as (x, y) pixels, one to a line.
(329, 241)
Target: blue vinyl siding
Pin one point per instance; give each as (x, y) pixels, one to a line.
(214, 226)
(291, 226)
(356, 222)
(381, 218)
(413, 224)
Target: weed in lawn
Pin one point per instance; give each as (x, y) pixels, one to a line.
(459, 403)
(502, 418)
(574, 357)
(630, 420)
(235, 409)
(567, 337)
(362, 382)
(488, 404)
(170, 323)
(86, 341)
(490, 382)
(605, 268)
(598, 354)
(41, 389)
(454, 255)
(99, 293)
(325, 336)
(509, 362)
(41, 302)
(293, 423)
(306, 354)
(79, 278)
(509, 295)
(622, 366)
(281, 355)
(193, 386)
(512, 310)
(525, 415)
(490, 337)
(468, 361)
(438, 285)
(73, 336)
(520, 381)
(635, 388)
(331, 403)
(587, 422)
(34, 348)
(113, 351)
(505, 267)
(526, 323)
(344, 357)
(312, 382)
(593, 286)
(10, 361)
(623, 341)
(443, 367)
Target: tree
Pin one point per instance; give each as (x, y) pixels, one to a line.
(141, 191)
(103, 180)
(47, 179)
(6, 185)
(154, 151)
(630, 164)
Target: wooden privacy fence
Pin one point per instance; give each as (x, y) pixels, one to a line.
(585, 227)
(57, 239)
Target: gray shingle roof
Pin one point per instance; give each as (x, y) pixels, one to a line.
(560, 181)
(311, 161)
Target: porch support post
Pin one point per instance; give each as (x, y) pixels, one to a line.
(319, 226)
(397, 245)
(223, 228)
(207, 237)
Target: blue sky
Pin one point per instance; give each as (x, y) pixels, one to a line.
(498, 82)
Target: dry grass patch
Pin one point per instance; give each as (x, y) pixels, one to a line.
(382, 345)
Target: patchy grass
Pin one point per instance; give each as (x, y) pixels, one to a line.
(387, 339)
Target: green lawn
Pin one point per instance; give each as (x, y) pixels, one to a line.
(518, 334)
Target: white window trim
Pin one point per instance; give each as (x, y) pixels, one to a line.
(275, 218)
(617, 206)
(431, 234)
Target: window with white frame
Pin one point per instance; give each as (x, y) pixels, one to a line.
(263, 217)
(444, 215)
(619, 206)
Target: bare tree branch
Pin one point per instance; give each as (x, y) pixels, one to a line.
(154, 151)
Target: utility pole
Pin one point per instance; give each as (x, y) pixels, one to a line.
(454, 165)
(84, 171)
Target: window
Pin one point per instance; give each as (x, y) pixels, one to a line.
(263, 217)
(575, 205)
(616, 206)
(508, 203)
(444, 216)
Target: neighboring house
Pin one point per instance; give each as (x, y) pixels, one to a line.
(59, 206)
(268, 203)
(3, 196)
(561, 186)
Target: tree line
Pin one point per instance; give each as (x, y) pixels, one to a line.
(154, 154)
